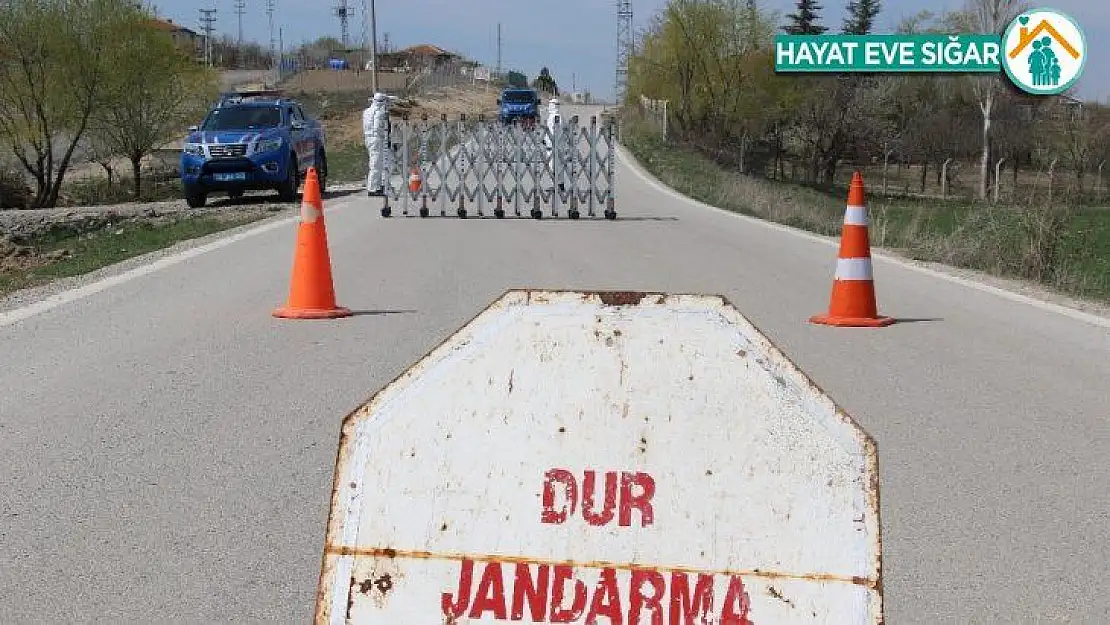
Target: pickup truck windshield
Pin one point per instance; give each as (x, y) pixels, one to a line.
(519, 97)
(243, 118)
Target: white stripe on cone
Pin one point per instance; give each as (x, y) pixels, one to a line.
(855, 216)
(309, 213)
(853, 269)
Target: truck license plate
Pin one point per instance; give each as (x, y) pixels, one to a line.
(229, 177)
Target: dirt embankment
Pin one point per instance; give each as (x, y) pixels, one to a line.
(341, 110)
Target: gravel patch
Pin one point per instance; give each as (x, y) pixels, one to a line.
(23, 225)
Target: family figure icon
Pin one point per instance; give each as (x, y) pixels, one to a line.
(1044, 67)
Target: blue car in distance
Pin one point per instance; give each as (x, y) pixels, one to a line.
(519, 106)
(252, 141)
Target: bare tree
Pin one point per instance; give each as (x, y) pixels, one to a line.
(152, 94)
(989, 16)
(51, 80)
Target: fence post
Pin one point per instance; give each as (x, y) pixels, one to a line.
(1052, 178)
(886, 164)
(998, 177)
(944, 180)
(1098, 186)
(664, 121)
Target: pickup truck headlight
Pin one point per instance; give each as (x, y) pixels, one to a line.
(267, 145)
(193, 149)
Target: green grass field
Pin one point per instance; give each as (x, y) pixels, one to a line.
(89, 252)
(1064, 247)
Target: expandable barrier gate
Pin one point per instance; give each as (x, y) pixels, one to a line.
(493, 167)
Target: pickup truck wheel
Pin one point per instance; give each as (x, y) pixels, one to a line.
(322, 170)
(288, 189)
(195, 199)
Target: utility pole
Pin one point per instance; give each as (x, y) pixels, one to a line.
(240, 9)
(343, 12)
(208, 20)
(373, 49)
(273, 47)
(499, 49)
(624, 48)
(363, 44)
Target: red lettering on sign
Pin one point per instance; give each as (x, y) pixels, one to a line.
(641, 600)
(535, 592)
(490, 596)
(560, 614)
(650, 597)
(635, 493)
(737, 604)
(570, 487)
(685, 608)
(608, 593)
(640, 501)
(589, 495)
(455, 608)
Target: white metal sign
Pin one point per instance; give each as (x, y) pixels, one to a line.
(616, 458)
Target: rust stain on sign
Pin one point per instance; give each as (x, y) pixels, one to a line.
(384, 552)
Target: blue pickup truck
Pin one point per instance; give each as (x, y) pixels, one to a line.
(252, 141)
(519, 105)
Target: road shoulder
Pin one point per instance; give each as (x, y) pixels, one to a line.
(1029, 293)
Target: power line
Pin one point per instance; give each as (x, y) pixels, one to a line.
(624, 47)
(208, 21)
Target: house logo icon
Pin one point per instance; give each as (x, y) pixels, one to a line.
(1044, 52)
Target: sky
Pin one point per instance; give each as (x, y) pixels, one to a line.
(575, 39)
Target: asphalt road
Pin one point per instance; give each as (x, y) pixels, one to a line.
(167, 446)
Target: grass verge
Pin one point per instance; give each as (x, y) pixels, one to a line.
(1060, 246)
(347, 162)
(61, 256)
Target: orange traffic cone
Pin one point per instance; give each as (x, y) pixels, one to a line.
(311, 293)
(414, 180)
(853, 293)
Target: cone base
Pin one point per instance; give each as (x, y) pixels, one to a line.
(852, 322)
(286, 312)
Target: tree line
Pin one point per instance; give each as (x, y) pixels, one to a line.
(90, 79)
(712, 60)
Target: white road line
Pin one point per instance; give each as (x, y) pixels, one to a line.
(72, 295)
(1065, 311)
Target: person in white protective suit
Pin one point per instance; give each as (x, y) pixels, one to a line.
(376, 132)
(550, 138)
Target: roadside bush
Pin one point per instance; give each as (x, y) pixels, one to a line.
(14, 192)
(99, 191)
